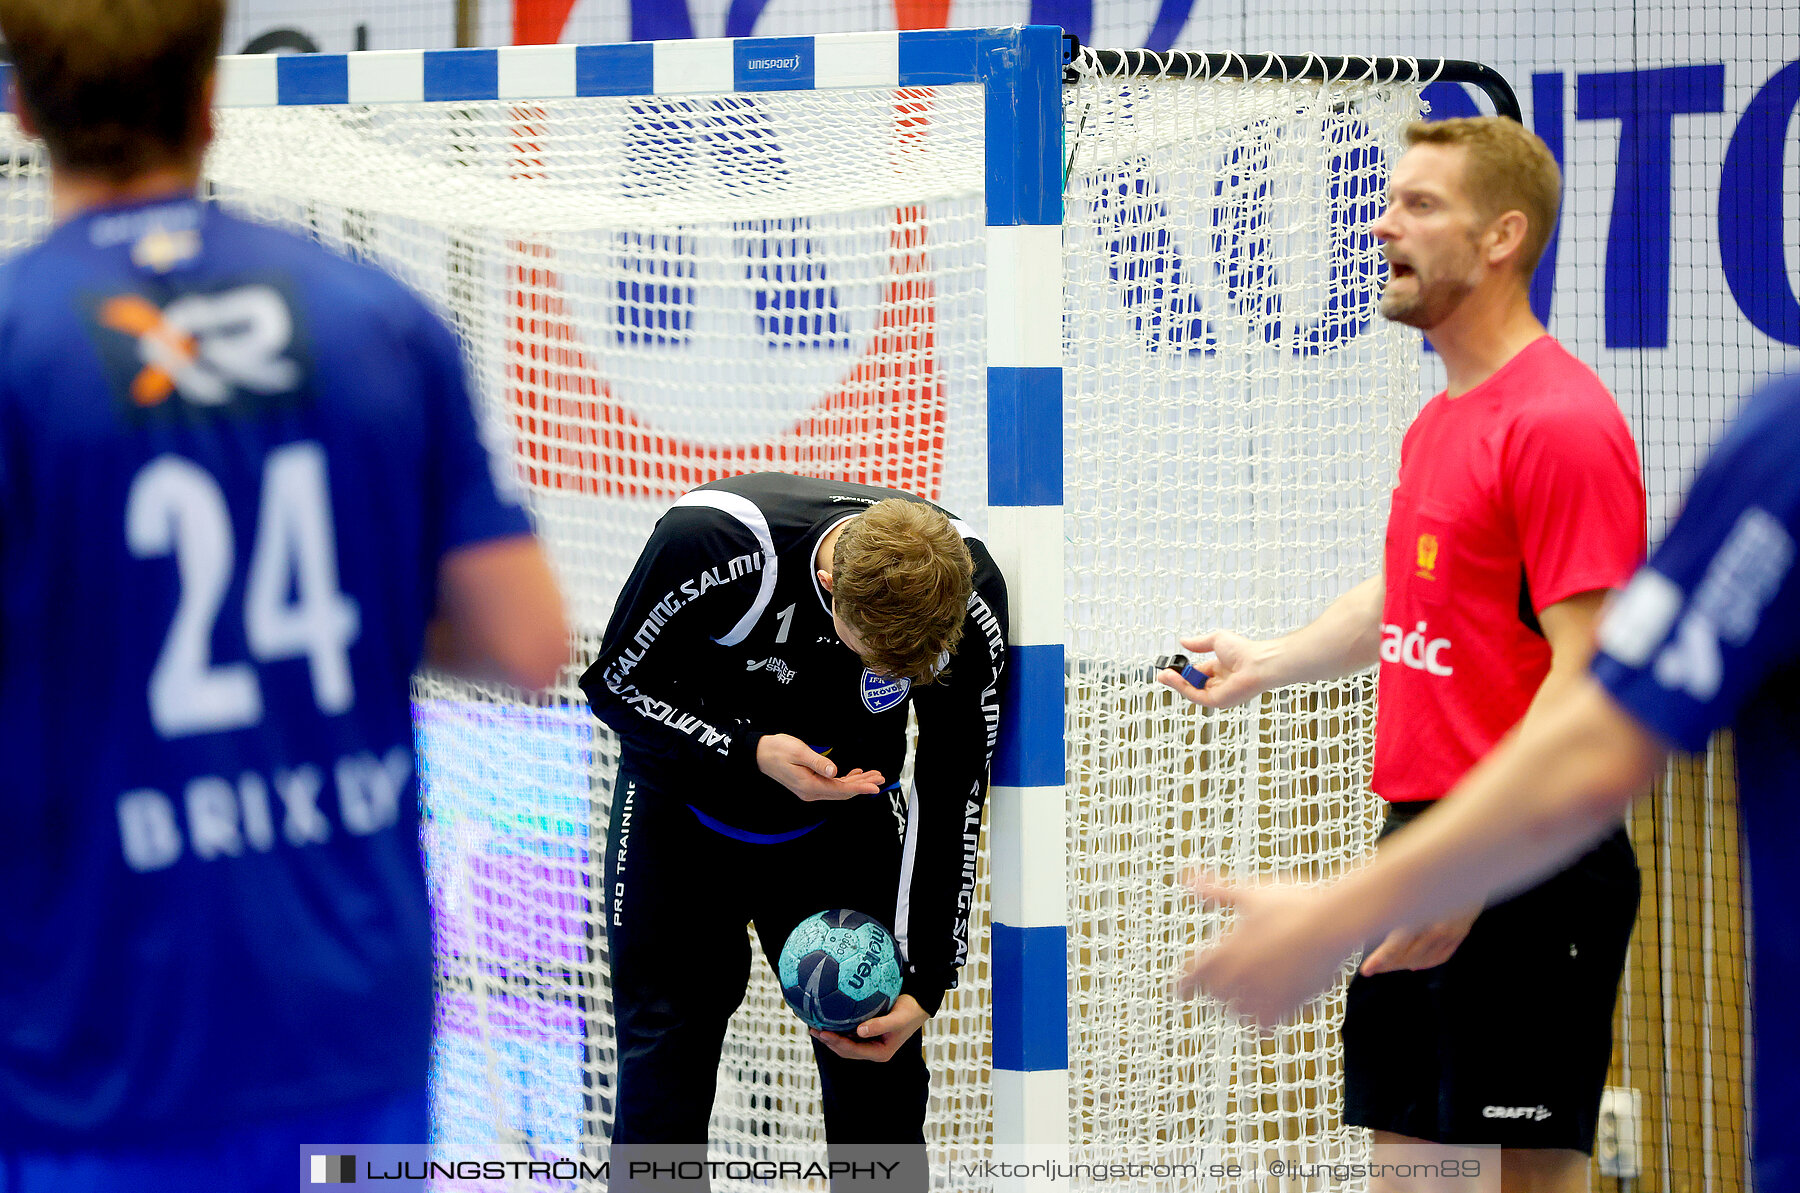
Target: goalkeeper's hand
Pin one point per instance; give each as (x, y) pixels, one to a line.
(878, 1038)
(808, 773)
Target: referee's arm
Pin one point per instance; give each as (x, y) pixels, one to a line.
(1343, 639)
(1570, 627)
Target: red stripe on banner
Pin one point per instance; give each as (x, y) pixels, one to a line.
(540, 22)
(921, 14)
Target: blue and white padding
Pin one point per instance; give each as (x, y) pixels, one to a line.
(1027, 830)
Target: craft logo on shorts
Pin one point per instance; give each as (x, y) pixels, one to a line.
(879, 693)
(333, 1170)
(1428, 553)
(1535, 1114)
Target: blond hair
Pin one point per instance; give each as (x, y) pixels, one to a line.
(1507, 167)
(115, 87)
(901, 576)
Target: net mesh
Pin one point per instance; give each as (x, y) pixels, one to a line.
(653, 293)
(1233, 409)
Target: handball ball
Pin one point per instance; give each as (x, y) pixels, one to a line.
(839, 968)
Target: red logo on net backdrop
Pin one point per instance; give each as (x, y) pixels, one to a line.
(882, 422)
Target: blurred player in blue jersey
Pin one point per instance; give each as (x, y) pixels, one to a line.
(1706, 636)
(238, 478)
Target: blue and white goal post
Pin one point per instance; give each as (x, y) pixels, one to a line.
(1123, 325)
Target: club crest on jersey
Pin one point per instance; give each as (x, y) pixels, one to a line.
(879, 693)
(161, 249)
(1428, 556)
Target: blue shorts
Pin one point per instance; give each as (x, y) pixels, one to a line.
(263, 1157)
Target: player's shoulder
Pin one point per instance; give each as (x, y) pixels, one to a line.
(30, 274)
(1769, 423)
(715, 516)
(347, 288)
(777, 491)
(790, 503)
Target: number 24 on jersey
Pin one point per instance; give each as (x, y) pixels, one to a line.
(293, 606)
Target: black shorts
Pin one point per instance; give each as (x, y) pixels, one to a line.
(1509, 1041)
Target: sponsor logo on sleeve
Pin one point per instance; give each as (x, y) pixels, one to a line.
(1640, 620)
(879, 693)
(1727, 608)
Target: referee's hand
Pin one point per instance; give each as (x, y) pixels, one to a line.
(1235, 674)
(808, 773)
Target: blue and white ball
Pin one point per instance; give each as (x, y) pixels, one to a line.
(839, 968)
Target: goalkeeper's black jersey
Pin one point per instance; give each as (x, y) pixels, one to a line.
(723, 634)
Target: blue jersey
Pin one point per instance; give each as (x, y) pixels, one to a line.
(1708, 635)
(230, 463)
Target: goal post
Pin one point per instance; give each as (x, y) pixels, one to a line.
(1116, 310)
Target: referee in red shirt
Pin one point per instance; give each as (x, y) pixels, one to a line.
(1519, 505)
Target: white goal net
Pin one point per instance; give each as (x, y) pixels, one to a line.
(655, 292)
(1233, 410)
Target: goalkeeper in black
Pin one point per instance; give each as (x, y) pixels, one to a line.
(758, 669)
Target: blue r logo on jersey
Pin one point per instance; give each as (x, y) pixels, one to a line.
(879, 693)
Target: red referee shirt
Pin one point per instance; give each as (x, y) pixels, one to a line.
(1523, 492)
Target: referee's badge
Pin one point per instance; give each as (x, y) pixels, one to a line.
(879, 693)
(1427, 556)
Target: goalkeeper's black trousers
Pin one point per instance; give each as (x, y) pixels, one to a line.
(677, 898)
